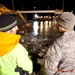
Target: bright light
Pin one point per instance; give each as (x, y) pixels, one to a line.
(36, 16)
(35, 27)
(46, 22)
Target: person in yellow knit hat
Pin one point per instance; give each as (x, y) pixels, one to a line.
(12, 53)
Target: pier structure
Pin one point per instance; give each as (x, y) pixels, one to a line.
(5, 10)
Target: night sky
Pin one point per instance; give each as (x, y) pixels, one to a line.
(39, 4)
(69, 5)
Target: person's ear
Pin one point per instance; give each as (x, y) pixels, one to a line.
(8, 31)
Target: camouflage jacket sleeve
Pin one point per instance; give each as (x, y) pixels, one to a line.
(52, 59)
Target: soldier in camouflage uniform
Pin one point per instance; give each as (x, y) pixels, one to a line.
(60, 57)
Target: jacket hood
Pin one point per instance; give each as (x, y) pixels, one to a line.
(8, 42)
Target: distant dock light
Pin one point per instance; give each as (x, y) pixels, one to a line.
(36, 16)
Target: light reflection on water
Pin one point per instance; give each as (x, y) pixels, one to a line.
(35, 27)
(36, 36)
(42, 27)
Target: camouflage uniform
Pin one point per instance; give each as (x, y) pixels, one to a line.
(61, 55)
